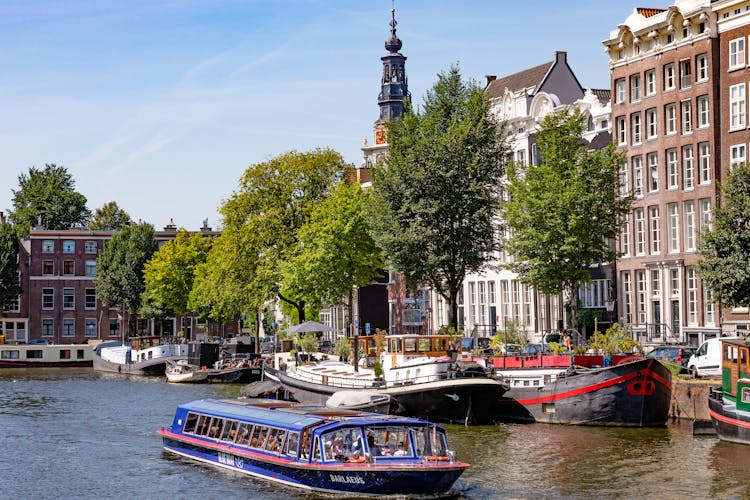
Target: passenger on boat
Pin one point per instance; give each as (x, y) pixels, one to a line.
(375, 449)
(304, 448)
(401, 451)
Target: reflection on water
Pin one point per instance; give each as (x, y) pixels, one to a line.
(92, 435)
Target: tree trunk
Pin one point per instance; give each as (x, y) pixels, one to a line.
(257, 332)
(574, 308)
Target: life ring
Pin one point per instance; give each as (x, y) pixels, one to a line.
(356, 460)
(435, 458)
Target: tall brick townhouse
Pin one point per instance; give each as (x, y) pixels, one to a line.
(672, 108)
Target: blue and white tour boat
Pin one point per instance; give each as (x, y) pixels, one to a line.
(316, 448)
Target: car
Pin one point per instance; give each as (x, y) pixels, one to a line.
(509, 349)
(676, 353)
(38, 342)
(325, 346)
(533, 349)
(706, 361)
(266, 347)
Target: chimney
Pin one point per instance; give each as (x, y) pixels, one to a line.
(561, 56)
(490, 79)
(205, 228)
(170, 228)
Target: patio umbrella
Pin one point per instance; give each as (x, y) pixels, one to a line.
(310, 326)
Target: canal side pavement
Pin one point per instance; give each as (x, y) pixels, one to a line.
(690, 398)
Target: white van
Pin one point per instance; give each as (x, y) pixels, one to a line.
(706, 362)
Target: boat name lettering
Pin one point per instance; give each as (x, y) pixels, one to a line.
(227, 459)
(339, 478)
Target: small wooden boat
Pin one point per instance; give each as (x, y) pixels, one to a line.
(316, 448)
(729, 406)
(181, 372)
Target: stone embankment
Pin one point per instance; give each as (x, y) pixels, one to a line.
(690, 398)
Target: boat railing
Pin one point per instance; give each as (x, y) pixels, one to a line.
(437, 377)
(350, 381)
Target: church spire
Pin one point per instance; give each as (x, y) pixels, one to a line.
(393, 87)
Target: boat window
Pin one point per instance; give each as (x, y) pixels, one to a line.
(429, 441)
(304, 447)
(273, 443)
(394, 345)
(230, 429)
(316, 450)
(410, 345)
(192, 419)
(202, 426)
(389, 441)
(291, 444)
(424, 345)
(9, 355)
(333, 445)
(259, 437)
(34, 354)
(214, 430)
(746, 394)
(243, 434)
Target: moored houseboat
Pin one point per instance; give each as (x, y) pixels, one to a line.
(139, 356)
(634, 392)
(729, 406)
(45, 355)
(316, 448)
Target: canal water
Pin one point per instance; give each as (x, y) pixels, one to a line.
(70, 433)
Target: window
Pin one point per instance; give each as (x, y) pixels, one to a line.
(672, 170)
(114, 328)
(687, 117)
(69, 329)
(640, 283)
(48, 328)
(48, 246)
(655, 283)
(521, 156)
(651, 126)
(704, 162)
(48, 267)
(689, 217)
(673, 223)
(670, 119)
(692, 295)
(736, 155)
(635, 128)
(702, 111)
(69, 246)
(653, 172)
(669, 76)
(737, 106)
(637, 175)
(625, 237)
(640, 248)
(69, 298)
(687, 168)
(48, 298)
(90, 268)
(674, 282)
(708, 307)
(706, 216)
(91, 298)
(651, 82)
(626, 291)
(635, 88)
(686, 75)
(68, 267)
(623, 179)
(620, 91)
(622, 133)
(653, 216)
(701, 67)
(737, 53)
(90, 247)
(90, 327)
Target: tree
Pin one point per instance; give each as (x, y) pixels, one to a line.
(10, 287)
(564, 213)
(262, 220)
(170, 272)
(110, 217)
(119, 281)
(435, 198)
(48, 196)
(725, 250)
(337, 252)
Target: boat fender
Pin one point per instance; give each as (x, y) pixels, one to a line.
(356, 459)
(435, 458)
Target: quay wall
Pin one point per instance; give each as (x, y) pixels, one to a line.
(690, 398)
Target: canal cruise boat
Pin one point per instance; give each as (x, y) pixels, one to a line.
(729, 406)
(316, 448)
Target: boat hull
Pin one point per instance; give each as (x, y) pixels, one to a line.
(635, 394)
(46, 356)
(359, 479)
(235, 375)
(730, 424)
(152, 367)
(471, 400)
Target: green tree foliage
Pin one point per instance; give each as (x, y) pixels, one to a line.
(170, 272)
(119, 281)
(48, 195)
(615, 340)
(435, 198)
(337, 252)
(10, 288)
(725, 250)
(308, 342)
(261, 224)
(564, 213)
(342, 348)
(110, 217)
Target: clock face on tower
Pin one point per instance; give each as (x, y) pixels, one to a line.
(380, 136)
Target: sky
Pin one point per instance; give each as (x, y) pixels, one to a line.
(160, 105)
